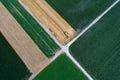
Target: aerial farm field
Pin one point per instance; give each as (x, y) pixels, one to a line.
(61, 69)
(11, 66)
(98, 49)
(80, 13)
(84, 35)
(29, 24)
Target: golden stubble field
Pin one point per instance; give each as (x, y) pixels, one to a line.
(51, 20)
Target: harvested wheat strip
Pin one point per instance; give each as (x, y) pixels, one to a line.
(56, 17)
(62, 31)
(43, 18)
(24, 46)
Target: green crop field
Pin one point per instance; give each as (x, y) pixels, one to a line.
(61, 69)
(80, 13)
(11, 66)
(98, 49)
(35, 31)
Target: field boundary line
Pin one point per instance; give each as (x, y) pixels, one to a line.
(66, 48)
(92, 23)
(81, 33)
(76, 63)
(57, 54)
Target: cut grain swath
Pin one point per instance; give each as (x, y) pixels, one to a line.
(51, 20)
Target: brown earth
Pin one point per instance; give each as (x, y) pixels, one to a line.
(26, 49)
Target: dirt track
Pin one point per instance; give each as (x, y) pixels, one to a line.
(26, 49)
(51, 20)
